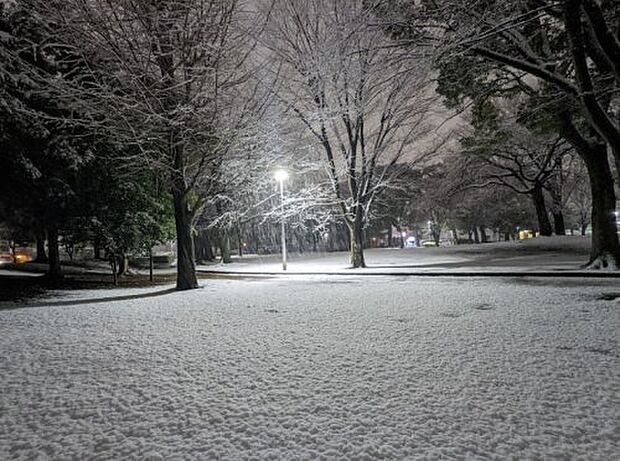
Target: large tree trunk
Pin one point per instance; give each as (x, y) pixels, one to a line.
(186, 267)
(183, 211)
(544, 225)
(558, 222)
(605, 251)
(555, 191)
(40, 238)
(54, 270)
(616, 155)
(357, 242)
(436, 234)
(483, 233)
(595, 110)
(474, 230)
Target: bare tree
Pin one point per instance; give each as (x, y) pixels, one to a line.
(360, 99)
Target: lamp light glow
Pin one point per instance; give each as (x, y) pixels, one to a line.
(281, 175)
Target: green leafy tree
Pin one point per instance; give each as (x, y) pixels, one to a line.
(44, 147)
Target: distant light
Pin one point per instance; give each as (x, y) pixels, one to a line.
(21, 258)
(281, 175)
(374, 239)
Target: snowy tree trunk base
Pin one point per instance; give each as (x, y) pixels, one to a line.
(357, 249)
(604, 262)
(605, 253)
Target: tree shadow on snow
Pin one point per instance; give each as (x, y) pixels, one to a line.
(100, 300)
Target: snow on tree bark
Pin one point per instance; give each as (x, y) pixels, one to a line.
(356, 95)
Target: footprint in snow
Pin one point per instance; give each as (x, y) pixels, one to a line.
(483, 307)
(452, 315)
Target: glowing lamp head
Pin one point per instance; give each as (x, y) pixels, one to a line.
(281, 175)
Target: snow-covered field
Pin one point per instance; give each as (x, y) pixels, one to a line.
(318, 367)
(543, 254)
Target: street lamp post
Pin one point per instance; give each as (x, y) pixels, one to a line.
(282, 176)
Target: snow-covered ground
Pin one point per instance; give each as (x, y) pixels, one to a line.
(543, 254)
(12, 273)
(318, 367)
